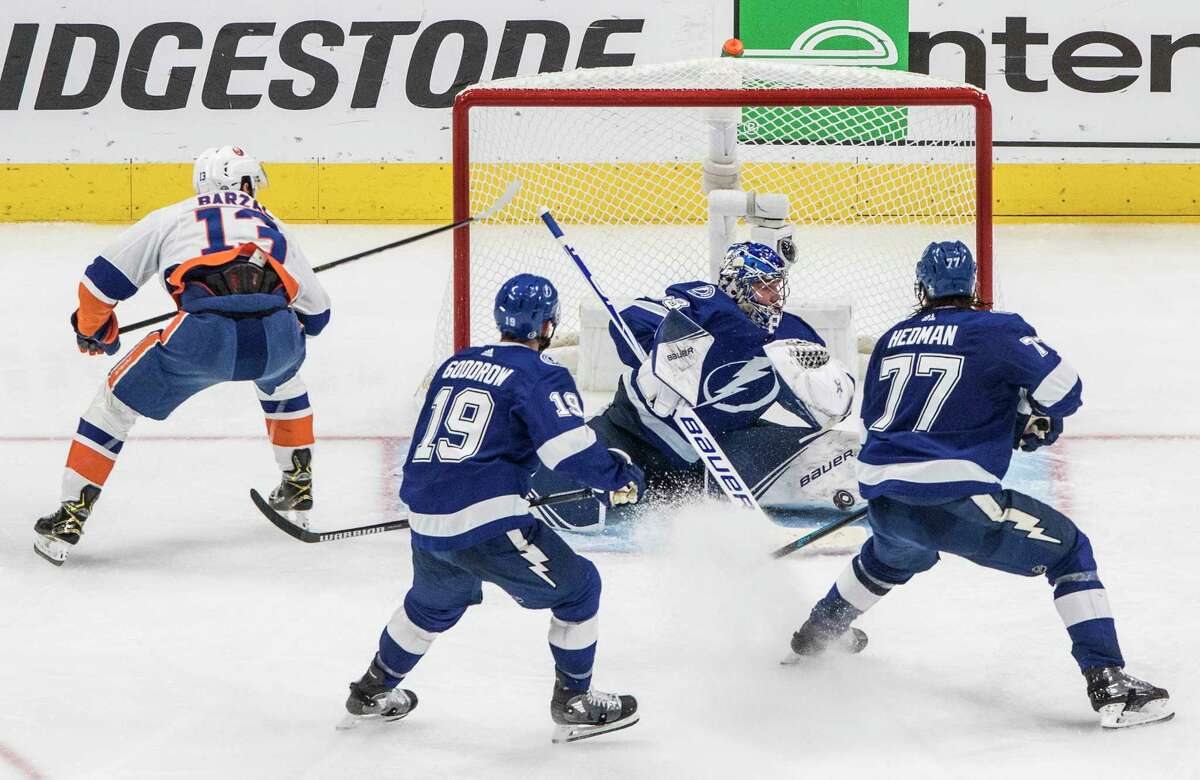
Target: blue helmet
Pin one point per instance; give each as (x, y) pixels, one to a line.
(946, 268)
(746, 267)
(523, 303)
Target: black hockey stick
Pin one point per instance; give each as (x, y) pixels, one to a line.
(510, 193)
(818, 533)
(304, 535)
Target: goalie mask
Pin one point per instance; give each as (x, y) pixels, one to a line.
(226, 168)
(755, 276)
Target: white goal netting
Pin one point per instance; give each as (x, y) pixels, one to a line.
(618, 154)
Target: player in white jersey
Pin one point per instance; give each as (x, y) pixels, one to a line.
(247, 299)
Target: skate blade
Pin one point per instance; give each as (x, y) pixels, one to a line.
(849, 643)
(1115, 716)
(53, 550)
(350, 721)
(297, 517)
(574, 733)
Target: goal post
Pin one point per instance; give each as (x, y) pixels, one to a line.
(873, 165)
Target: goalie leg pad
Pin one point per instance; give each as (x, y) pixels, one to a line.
(794, 467)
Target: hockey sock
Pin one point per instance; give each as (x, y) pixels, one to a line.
(289, 419)
(1082, 603)
(391, 678)
(289, 435)
(853, 594)
(402, 644)
(90, 460)
(97, 442)
(573, 646)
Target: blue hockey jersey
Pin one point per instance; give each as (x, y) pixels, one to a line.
(490, 415)
(738, 384)
(940, 402)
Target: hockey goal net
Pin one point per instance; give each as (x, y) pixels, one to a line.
(874, 164)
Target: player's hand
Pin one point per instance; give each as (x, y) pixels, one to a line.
(633, 488)
(106, 340)
(1022, 422)
(626, 495)
(662, 399)
(1039, 431)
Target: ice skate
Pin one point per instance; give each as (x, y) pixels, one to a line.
(371, 699)
(1125, 701)
(293, 498)
(811, 639)
(58, 533)
(583, 715)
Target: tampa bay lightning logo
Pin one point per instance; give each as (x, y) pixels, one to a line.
(748, 385)
(702, 292)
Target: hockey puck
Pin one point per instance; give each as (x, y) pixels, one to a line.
(843, 499)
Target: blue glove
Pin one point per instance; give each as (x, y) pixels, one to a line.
(1019, 429)
(313, 324)
(635, 484)
(1038, 432)
(106, 339)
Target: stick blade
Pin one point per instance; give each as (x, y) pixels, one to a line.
(505, 198)
(279, 521)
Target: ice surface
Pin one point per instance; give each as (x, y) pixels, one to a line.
(188, 638)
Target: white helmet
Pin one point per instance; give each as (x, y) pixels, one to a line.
(224, 168)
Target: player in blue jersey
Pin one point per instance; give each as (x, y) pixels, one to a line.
(491, 414)
(948, 395)
(760, 355)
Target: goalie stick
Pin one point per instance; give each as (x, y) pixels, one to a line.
(511, 192)
(686, 419)
(818, 533)
(312, 537)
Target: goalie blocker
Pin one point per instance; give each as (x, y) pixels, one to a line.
(788, 465)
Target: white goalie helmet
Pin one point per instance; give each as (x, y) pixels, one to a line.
(224, 168)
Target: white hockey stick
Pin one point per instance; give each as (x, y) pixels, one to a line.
(509, 193)
(688, 422)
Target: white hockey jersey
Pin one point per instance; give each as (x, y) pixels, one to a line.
(203, 230)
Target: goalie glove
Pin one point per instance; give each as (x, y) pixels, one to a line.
(817, 379)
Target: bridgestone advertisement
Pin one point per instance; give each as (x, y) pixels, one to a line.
(352, 81)
(358, 81)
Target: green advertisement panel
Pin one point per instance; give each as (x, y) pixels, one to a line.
(871, 33)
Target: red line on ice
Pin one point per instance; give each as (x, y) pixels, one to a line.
(20, 763)
(384, 438)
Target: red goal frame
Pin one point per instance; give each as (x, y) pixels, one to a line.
(706, 98)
